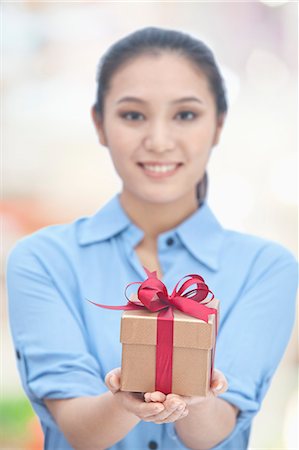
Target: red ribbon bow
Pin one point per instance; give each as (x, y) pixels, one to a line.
(152, 294)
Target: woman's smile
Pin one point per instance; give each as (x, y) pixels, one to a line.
(159, 170)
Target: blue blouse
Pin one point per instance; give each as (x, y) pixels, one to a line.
(65, 345)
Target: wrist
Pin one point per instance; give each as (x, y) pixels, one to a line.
(198, 400)
(201, 404)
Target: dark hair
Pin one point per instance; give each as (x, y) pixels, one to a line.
(153, 40)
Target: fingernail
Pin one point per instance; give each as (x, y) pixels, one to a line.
(180, 407)
(112, 382)
(219, 387)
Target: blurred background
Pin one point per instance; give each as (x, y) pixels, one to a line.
(54, 169)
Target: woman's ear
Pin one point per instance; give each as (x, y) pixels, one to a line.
(99, 126)
(220, 123)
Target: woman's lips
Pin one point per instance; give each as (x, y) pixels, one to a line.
(159, 174)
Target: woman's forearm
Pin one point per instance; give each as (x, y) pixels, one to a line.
(92, 423)
(207, 424)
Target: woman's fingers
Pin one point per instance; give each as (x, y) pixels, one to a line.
(112, 380)
(156, 396)
(176, 398)
(147, 397)
(175, 409)
(146, 410)
(174, 417)
(219, 383)
(135, 404)
(132, 401)
(157, 407)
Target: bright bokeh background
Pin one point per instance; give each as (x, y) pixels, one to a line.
(54, 170)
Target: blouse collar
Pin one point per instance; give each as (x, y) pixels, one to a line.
(201, 233)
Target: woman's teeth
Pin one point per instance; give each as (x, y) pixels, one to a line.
(160, 168)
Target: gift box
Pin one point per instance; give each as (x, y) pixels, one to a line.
(168, 341)
(193, 350)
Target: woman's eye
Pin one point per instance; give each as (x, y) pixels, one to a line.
(187, 115)
(132, 115)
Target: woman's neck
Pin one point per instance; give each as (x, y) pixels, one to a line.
(155, 218)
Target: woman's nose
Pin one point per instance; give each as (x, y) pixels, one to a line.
(158, 138)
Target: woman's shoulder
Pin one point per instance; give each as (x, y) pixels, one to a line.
(257, 247)
(101, 225)
(237, 246)
(61, 237)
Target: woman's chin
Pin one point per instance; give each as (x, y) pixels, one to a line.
(161, 198)
(159, 195)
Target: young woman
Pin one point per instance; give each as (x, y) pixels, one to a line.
(160, 109)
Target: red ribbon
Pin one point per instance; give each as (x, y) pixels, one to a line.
(152, 294)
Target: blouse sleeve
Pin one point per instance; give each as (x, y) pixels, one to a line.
(256, 332)
(48, 333)
(254, 335)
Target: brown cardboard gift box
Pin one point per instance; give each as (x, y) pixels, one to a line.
(193, 346)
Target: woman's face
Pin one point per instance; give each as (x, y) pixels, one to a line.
(160, 124)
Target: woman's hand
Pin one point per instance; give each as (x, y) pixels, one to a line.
(219, 385)
(158, 409)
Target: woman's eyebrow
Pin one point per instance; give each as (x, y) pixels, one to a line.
(179, 100)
